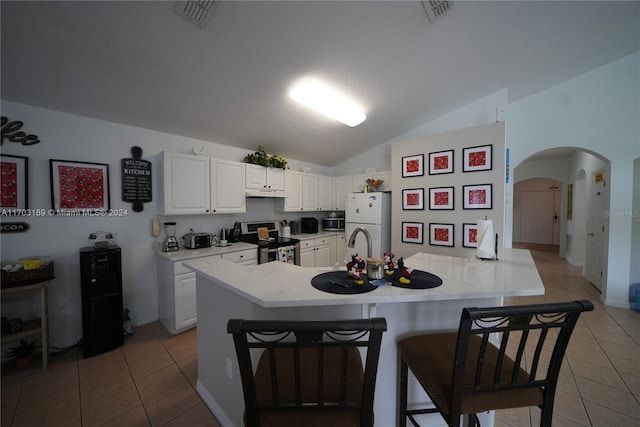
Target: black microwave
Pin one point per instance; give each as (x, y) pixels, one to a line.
(308, 225)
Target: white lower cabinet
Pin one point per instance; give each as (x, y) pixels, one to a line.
(177, 289)
(185, 303)
(341, 249)
(246, 257)
(176, 295)
(318, 252)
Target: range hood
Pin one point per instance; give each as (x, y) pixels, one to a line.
(253, 192)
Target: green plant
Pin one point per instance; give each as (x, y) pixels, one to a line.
(24, 349)
(260, 157)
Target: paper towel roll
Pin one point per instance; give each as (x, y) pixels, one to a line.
(486, 240)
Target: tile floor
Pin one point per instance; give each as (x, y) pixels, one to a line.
(150, 381)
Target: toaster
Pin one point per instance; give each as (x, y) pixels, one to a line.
(196, 240)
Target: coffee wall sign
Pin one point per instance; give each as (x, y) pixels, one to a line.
(136, 180)
(11, 132)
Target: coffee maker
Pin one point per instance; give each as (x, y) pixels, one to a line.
(170, 242)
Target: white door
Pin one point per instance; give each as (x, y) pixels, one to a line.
(536, 217)
(596, 229)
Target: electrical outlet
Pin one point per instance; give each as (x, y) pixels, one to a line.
(229, 368)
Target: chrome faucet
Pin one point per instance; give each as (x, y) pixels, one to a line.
(352, 239)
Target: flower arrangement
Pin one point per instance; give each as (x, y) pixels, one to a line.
(260, 157)
(374, 183)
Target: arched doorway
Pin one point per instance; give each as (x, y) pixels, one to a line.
(575, 172)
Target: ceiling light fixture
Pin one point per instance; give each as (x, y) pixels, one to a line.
(327, 101)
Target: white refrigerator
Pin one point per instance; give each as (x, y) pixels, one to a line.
(372, 211)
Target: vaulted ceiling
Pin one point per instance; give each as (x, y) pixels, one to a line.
(140, 63)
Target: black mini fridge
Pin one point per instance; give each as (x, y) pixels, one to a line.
(101, 282)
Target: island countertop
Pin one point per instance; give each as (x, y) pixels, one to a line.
(278, 284)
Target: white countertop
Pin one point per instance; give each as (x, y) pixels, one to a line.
(185, 254)
(277, 284)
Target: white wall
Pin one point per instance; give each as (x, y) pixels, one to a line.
(71, 137)
(598, 112)
(492, 134)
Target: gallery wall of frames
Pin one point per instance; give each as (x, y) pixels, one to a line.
(442, 185)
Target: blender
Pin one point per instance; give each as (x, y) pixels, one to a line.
(170, 242)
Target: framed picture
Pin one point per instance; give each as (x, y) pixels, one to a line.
(413, 166)
(412, 232)
(14, 188)
(77, 186)
(476, 159)
(413, 199)
(476, 196)
(441, 198)
(470, 235)
(441, 234)
(441, 162)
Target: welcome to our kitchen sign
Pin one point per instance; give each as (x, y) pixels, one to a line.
(136, 180)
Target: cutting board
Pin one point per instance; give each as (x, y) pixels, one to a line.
(263, 233)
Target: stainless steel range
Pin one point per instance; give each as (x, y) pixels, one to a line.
(274, 247)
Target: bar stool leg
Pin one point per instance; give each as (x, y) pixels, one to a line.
(402, 395)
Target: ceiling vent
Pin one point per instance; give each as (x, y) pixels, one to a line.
(436, 9)
(197, 11)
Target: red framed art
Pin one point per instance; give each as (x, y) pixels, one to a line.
(412, 232)
(470, 235)
(413, 199)
(441, 234)
(441, 162)
(77, 186)
(441, 198)
(477, 196)
(413, 166)
(478, 158)
(14, 180)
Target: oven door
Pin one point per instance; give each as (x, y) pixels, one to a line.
(288, 254)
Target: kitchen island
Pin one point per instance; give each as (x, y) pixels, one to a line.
(283, 291)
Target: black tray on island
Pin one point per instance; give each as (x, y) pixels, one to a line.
(322, 282)
(419, 280)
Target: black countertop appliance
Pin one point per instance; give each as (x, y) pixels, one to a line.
(309, 225)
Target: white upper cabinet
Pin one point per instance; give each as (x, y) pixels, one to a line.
(359, 180)
(200, 185)
(292, 191)
(227, 187)
(309, 192)
(325, 193)
(185, 184)
(342, 185)
(263, 178)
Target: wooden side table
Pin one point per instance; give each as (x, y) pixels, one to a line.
(37, 326)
